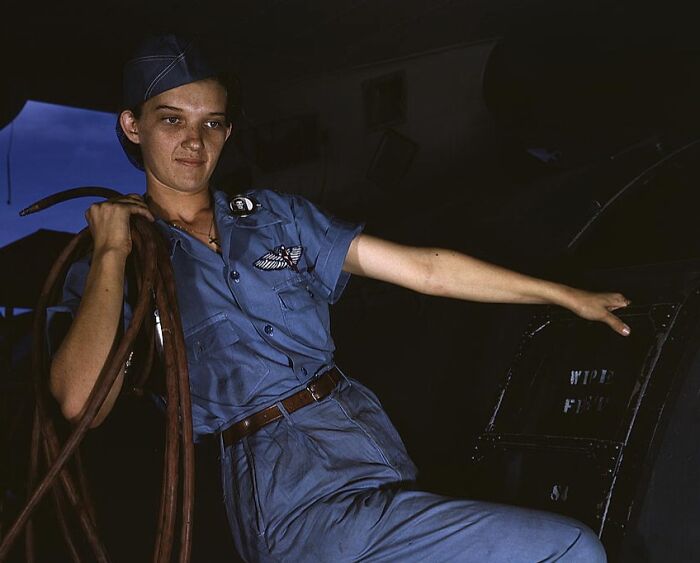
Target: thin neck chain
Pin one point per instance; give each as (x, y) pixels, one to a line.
(212, 239)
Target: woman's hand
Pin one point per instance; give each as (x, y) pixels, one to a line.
(599, 307)
(109, 222)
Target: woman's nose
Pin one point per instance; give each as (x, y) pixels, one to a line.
(193, 139)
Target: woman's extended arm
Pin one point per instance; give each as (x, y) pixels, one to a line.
(447, 273)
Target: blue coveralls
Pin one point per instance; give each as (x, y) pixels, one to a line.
(330, 482)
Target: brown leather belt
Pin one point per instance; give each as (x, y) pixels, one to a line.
(314, 391)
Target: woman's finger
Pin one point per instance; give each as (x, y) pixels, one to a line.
(616, 324)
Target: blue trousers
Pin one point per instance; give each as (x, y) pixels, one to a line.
(332, 483)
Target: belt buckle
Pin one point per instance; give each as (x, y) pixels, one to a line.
(311, 388)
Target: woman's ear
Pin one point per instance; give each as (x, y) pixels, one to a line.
(129, 125)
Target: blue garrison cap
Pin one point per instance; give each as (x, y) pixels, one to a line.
(160, 63)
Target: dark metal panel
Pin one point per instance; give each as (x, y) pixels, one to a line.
(572, 476)
(578, 421)
(580, 379)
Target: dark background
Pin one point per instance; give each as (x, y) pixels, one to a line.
(498, 128)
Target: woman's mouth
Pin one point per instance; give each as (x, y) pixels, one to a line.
(191, 162)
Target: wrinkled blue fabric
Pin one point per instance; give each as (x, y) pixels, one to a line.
(330, 482)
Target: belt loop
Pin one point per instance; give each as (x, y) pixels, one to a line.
(343, 377)
(284, 411)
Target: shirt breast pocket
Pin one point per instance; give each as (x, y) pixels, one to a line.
(222, 369)
(305, 315)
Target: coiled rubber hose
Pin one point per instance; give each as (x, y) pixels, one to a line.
(156, 299)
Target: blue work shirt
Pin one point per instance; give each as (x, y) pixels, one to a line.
(254, 333)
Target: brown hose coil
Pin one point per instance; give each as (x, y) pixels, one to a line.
(64, 477)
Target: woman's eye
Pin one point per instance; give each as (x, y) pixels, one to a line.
(171, 120)
(213, 124)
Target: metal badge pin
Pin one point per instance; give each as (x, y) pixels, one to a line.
(242, 206)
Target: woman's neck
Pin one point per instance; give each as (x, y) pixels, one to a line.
(180, 207)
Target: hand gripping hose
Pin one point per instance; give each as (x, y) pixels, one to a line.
(64, 477)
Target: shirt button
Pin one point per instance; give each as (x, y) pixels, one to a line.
(269, 330)
(235, 276)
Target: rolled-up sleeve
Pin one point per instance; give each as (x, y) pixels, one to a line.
(326, 240)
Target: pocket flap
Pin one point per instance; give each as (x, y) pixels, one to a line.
(211, 335)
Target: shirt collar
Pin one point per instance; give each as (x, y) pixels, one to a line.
(262, 217)
(171, 234)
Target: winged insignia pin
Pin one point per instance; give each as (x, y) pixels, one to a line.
(280, 258)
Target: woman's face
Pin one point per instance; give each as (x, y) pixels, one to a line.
(181, 133)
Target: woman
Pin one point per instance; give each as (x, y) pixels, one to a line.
(312, 468)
